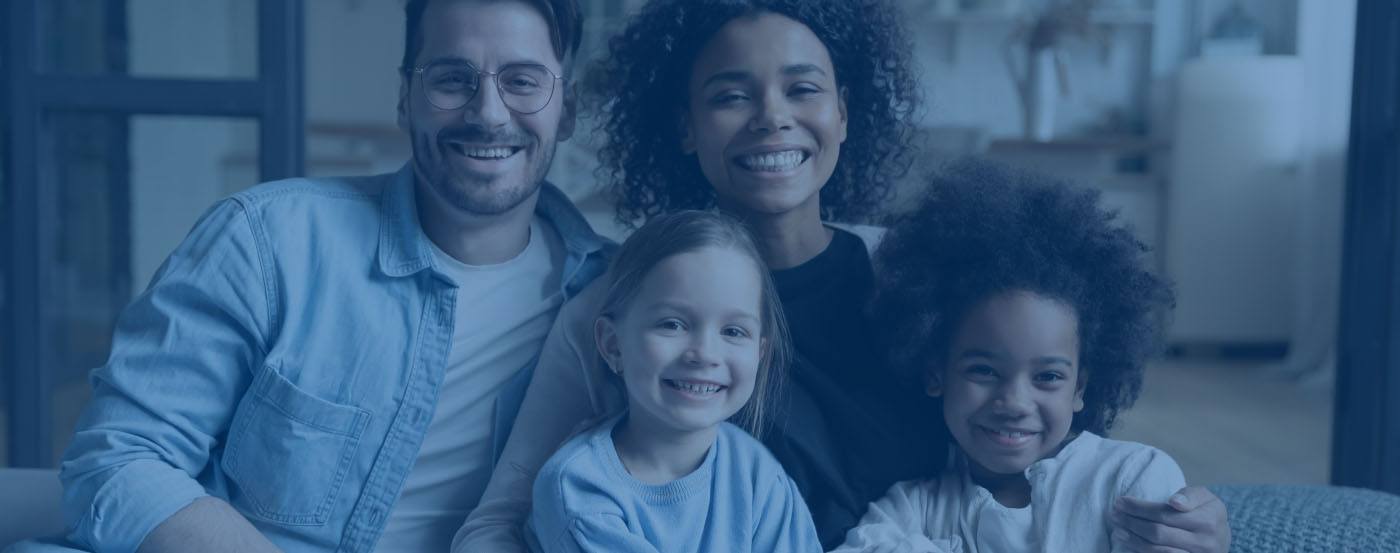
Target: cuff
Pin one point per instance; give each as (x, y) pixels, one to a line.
(137, 498)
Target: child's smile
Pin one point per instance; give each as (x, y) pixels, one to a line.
(1011, 383)
(688, 345)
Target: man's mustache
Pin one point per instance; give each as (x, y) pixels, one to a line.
(481, 135)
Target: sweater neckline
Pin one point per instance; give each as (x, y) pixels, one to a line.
(670, 493)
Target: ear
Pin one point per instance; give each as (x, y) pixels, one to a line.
(605, 337)
(841, 106)
(933, 383)
(405, 88)
(569, 119)
(687, 133)
(1079, 396)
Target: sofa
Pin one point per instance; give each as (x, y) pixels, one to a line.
(1263, 518)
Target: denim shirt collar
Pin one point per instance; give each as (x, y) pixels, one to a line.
(403, 246)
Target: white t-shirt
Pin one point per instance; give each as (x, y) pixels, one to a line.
(503, 313)
(1071, 495)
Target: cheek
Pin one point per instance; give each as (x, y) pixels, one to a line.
(961, 400)
(712, 133)
(744, 366)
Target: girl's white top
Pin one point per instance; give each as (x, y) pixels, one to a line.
(1072, 495)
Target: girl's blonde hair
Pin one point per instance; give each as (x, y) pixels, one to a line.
(688, 231)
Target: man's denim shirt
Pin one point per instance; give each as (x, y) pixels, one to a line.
(285, 358)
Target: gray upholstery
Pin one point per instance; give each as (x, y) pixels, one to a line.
(29, 504)
(1287, 519)
(1263, 518)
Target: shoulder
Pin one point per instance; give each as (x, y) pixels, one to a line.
(578, 456)
(304, 192)
(302, 209)
(870, 235)
(1138, 469)
(578, 474)
(737, 444)
(743, 458)
(1109, 452)
(579, 313)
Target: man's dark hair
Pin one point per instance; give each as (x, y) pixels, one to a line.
(642, 87)
(985, 230)
(564, 17)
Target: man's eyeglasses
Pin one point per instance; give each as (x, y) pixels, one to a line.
(525, 87)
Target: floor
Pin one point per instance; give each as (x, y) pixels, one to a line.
(1223, 423)
(1235, 423)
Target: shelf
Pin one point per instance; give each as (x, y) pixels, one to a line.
(1113, 17)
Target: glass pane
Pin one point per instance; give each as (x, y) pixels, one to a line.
(4, 272)
(130, 188)
(350, 118)
(150, 38)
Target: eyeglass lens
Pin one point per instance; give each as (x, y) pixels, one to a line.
(524, 88)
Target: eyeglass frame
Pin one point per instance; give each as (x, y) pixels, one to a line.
(420, 70)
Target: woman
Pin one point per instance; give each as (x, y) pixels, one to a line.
(781, 113)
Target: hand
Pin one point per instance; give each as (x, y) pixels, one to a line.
(1192, 521)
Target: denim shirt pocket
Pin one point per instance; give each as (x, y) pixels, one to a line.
(288, 451)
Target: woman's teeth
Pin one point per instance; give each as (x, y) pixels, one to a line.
(701, 389)
(772, 161)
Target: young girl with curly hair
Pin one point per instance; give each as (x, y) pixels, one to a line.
(1028, 310)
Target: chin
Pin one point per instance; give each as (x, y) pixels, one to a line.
(488, 198)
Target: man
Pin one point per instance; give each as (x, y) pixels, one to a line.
(333, 364)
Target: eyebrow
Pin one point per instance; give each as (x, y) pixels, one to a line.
(682, 308)
(802, 69)
(1046, 360)
(742, 76)
(461, 60)
(970, 353)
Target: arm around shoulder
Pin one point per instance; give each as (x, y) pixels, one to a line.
(567, 388)
(182, 355)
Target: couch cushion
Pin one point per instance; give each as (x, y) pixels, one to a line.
(1279, 518)
(29, 506)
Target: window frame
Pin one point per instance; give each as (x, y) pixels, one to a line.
(274, 99)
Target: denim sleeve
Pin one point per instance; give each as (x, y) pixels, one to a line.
(183, 353)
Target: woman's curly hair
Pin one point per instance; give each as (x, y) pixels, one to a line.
(984, 230)
(641, 90)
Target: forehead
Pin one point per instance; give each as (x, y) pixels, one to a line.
(760, 43)
(1020, 322)
(486, 32)
(712, 277)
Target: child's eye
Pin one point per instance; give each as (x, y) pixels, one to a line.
(670, 324)
(1049, 377)
(735, 332)
(981, 370)
(804, 90)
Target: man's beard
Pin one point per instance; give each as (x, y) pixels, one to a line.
(463, 191)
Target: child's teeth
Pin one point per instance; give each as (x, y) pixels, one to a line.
(695, 388)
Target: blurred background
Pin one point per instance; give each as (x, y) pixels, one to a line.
(1218, 128)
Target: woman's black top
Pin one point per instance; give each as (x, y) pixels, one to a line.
(846, 429)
